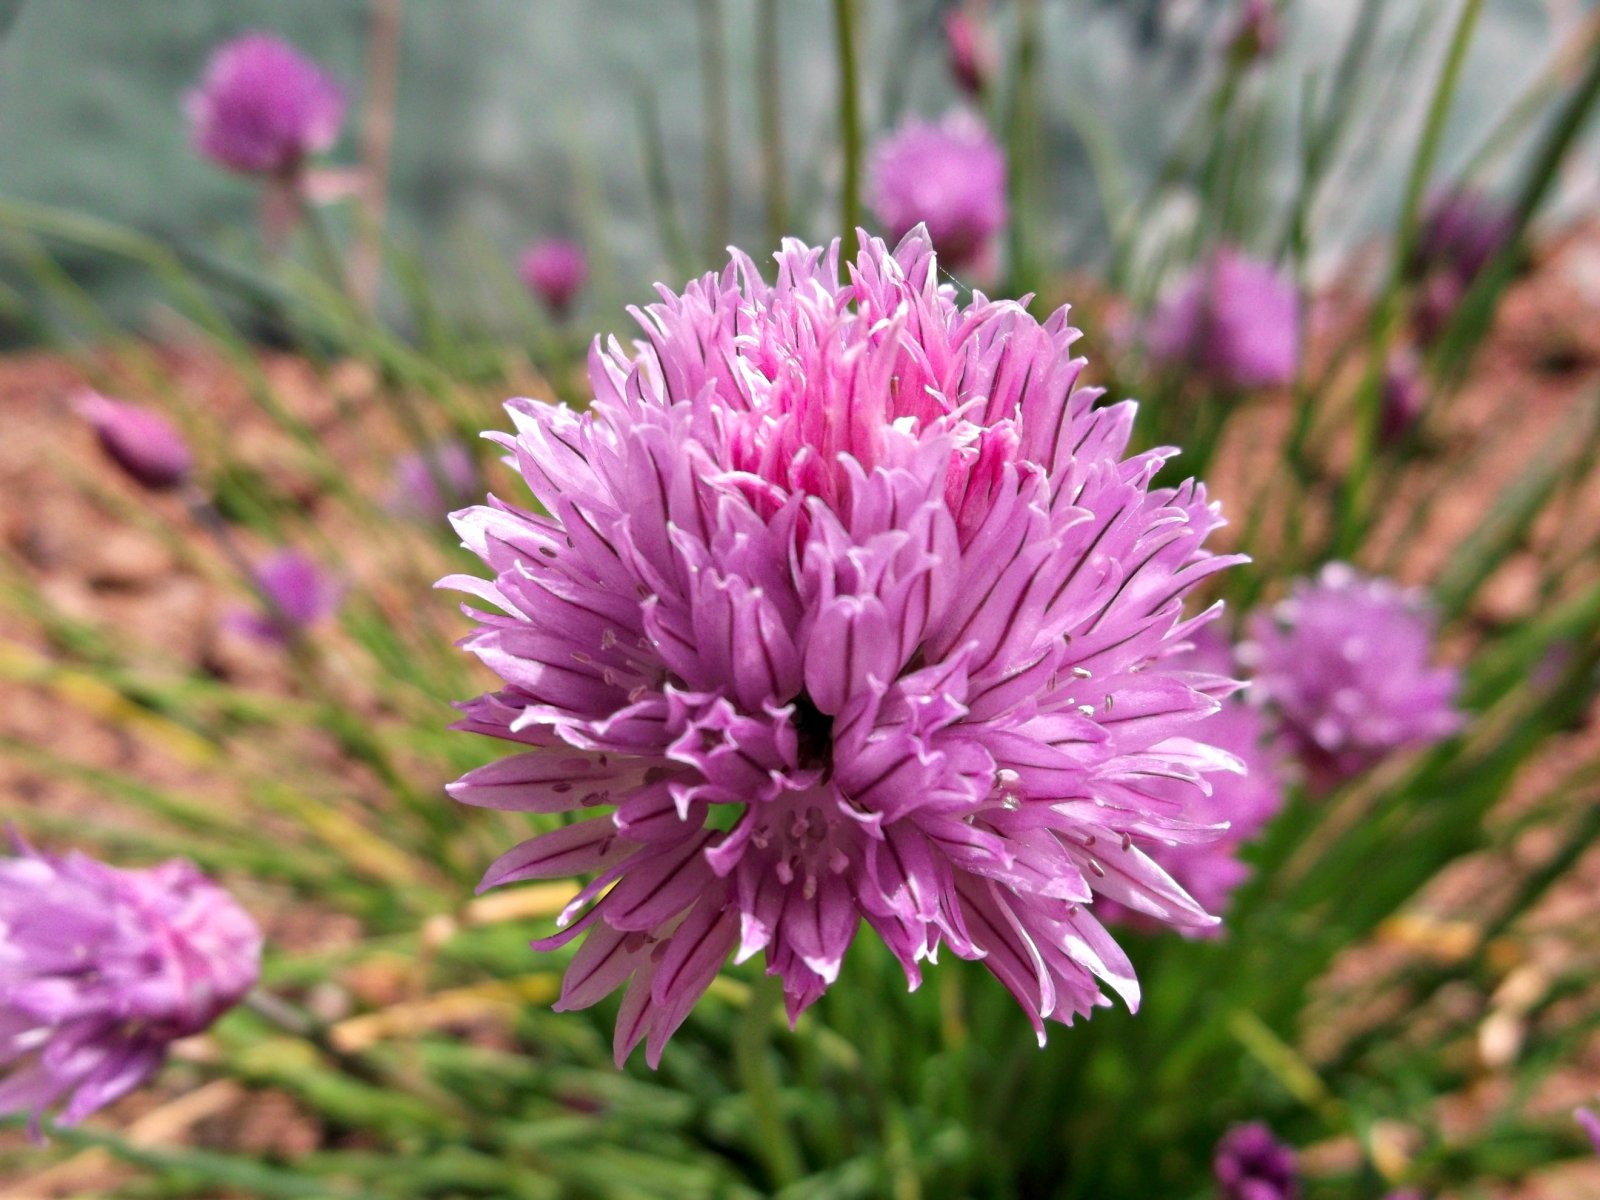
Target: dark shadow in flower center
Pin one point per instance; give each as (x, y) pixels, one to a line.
(814, 729)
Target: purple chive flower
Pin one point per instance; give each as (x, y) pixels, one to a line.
(1245, 794)
(1344, 662)
(301, 592)
(554, 270)
(147, 446)
(950, 177)
(1234, 319)
(1590, 1124)
(1436, 299)
(415, 491)
(1462, 230)
(1404, 395)
(1251, 1164)
(848, 607)
(970, 52)
(102, 969)
(263, 107)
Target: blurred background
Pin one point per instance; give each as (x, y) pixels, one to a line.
(515, 120)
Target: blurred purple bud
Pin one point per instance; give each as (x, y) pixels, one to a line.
(1435, 302)
(554, 270)
(102, 969)
(414, 491)
(1252, 1164)
(300, 592)
(262, 107)
(144, 444)
(1590, 1123)
(1257, 32)
(970, 51)
(1404, 395)
(1233, 319)
(1461, 232)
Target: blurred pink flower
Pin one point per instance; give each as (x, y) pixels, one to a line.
(1344, 663)
(1245, 794)
(1234, 320)
(414, 490)
(262, 107)
(102, 969)
(144, 444)
(950, 177)
(554, 270)
(1252, 1164)
(302, 595)
(852, 607)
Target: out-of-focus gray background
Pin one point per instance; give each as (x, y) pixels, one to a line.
(518, 118)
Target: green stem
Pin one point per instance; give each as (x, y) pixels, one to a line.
(1369, 401)
(1022, 143)
(352, 732)
(769, 108)
(849, 115)
(326, 251)
(278, 1012)
(1465, 331)
(658, 185)
(753, 1050)
(714, 93)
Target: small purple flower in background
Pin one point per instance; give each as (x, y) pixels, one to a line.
(969, 50)
(1344, 663)
(949, 176)
(147, 446)
(850, 607)
(1436, 299)
(301, 594)
(1461, 232)
(1404, 395)
(102, 969)
(1251, 1164)
(262, 107)
(1256, 31)
(1246, 799)
(414, 490)
(1590, 1124)
(1233, 320)
(554, 270)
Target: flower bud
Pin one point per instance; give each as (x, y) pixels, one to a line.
(144, 444)
(554, 270)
